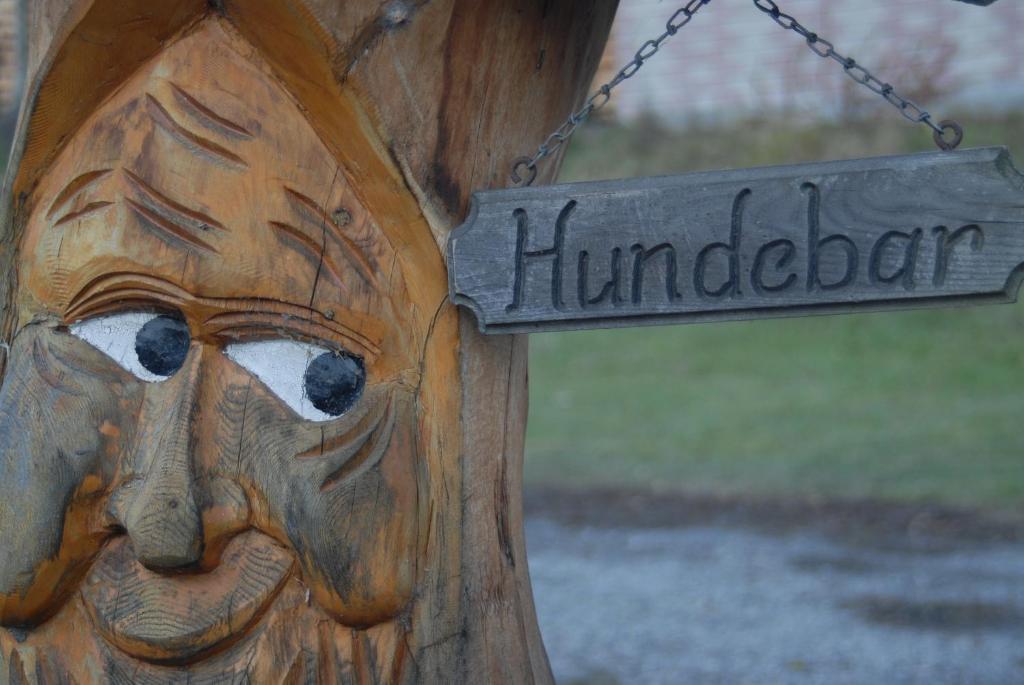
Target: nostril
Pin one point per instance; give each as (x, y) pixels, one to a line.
(173, 504)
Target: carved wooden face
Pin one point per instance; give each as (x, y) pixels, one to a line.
(211, 391)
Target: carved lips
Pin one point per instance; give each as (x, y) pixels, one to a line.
(179, 618)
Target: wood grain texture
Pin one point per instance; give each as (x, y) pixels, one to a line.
(252, 169)
(837, 237)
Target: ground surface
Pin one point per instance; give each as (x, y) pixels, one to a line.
(634, 588)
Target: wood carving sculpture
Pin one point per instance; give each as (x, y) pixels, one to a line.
(245, 437)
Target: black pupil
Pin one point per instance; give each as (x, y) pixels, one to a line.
(334, 381)
(162, 345)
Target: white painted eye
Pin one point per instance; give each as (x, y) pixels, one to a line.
(150, 346)
(317, 383)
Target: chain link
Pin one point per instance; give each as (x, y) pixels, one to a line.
(861, 75)
(680, 18)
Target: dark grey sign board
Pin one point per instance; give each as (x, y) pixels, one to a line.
(929, 229)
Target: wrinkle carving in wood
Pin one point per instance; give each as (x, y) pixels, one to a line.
(206, 202)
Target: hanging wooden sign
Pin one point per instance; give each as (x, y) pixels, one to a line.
(941, 228)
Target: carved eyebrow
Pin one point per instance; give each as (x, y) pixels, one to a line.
(77, 186)
(207, 116)
(191, 141)
(312, 214)
(170, 220)
(112, 291)
(271, 318)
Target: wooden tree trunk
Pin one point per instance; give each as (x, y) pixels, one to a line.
(198, 192)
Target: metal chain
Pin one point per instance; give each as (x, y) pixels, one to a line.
(861, 75)
(599, 99)
(679, 19)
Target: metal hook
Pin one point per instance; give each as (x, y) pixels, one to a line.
(531, 174)
(940, 135)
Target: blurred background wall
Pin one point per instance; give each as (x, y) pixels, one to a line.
(11, 51)
(734, 61)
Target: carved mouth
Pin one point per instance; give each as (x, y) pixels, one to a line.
(180, 618)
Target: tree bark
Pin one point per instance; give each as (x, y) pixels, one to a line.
(418, 103)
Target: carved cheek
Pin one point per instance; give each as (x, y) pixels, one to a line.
(349, 512)
(59, 441)
(356, 540)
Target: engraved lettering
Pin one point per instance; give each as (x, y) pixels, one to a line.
(945, 243)
(640, 257)
(522, 255)
(748, 247)
(757, 272)
(732, 249)
(611, 288)
(816, 245)
(912, 244)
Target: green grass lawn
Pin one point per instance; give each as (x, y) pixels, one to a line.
(923, 405)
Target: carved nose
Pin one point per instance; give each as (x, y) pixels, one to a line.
(163, 519)
(163, 515)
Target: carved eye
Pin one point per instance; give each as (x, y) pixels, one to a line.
(317, 383)
(150, 346)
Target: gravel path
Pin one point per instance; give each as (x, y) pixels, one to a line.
(712, 603)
